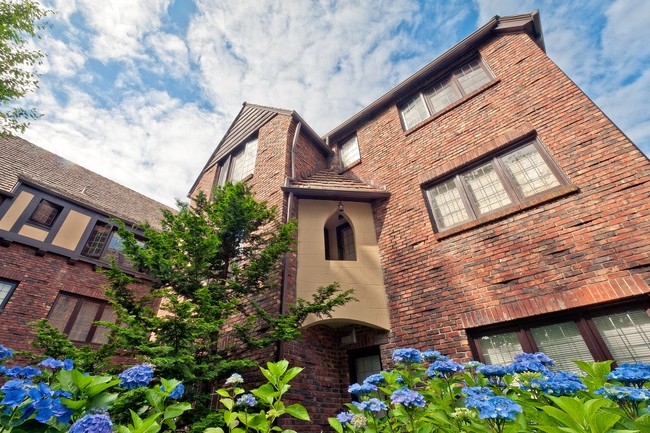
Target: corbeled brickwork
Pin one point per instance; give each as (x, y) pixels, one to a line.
(584, 247)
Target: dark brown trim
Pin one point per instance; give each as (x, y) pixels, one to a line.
(336, 194)
(80, 300)
(13, 284)
(527, 23)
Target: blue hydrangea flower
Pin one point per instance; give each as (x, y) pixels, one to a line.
(443, 368)
(407, 356)
(373, 405)
(476, 393)
(531, 362)
(247, 400)
(15, 392)
(407, 397)
(175, 393)
(51, 363)
(44, 405)
(433, 355)
(496, 408)
(344, 417)
(68, 364)
(631, 374)
(136, 377)
(624, 393)
(375, 379)
(27, 372)
(364, 388)
(493, 370)
(97, 423)
(234, 379)
(562, 383)
(6, 352)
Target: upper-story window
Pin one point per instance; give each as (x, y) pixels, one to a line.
(349, 151)
(492, 184)
(45, 213)
(436, 98)
(239, 165)
(104, 241)
(339, 238)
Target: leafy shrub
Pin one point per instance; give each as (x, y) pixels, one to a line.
(427, 392)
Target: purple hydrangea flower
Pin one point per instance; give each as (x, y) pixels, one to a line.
(247, 400)
(364, 388)
(407, 356)
(136, 377)
(443, 368)
(6, 352)
(433, 355)
(344, 417)
(97, 423)
(407, 397)
(373, 405)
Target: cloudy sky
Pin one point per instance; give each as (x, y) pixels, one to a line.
(141, 91)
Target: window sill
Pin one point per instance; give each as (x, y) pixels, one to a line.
(506, 212)
(453, 106)
(349, 167)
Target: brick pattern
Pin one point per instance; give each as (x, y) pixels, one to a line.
(584, 248)
(37, 291)
(205, 182)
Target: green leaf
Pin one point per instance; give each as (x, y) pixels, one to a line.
(297, 411)
(278, 368)
(223, 393)
(213, 430)
(335, 424)
(602, 422)
(265, 391)
(291, 373)
(102, 400)
(228, 403)
(563, 417)
(73, 404)
(176, 410)
(643, 422)
(64, 377)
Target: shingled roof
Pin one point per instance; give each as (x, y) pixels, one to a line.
(23, 161)
(329, 183)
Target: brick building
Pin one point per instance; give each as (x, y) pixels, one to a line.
(482, 207)
(55, 230)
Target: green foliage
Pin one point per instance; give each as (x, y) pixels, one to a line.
(215, 268)
(259, 413)
(19, 21)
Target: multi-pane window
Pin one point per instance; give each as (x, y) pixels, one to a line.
(45, 213)
(349, 151)
(345, 238)
(76, 316)
(96, 241)
(623, 336)
(441, 95)
(503, 180)
(238, 166)
(7, 287)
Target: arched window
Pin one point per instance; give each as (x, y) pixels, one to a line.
(339, 238)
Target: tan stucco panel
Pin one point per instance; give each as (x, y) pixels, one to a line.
(15, 211)
(364, 275)
(33, 232)
(71, 230)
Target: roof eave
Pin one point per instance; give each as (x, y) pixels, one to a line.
(336, 194)
(529, 23)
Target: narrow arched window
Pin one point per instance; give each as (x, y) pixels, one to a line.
(339, 238)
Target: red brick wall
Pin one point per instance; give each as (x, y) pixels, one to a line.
(206, 182)
(40, 280)
(584, 248)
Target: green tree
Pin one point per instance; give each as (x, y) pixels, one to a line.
(19, 22)
(216, 266)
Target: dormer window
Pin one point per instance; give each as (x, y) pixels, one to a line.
(457, 85)
(45, 213)
(349, 152)
(239, 165)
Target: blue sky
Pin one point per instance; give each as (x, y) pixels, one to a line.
(142, 91)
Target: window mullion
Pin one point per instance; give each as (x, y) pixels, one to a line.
(73, 316)
(550, 162)
(93, 327)
(594, 340)
(427, 104)
(465, 196)
(455, 84)
(507, 181)
(527, 341)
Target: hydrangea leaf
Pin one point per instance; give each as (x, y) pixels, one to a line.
(298, 411)
(335, 424)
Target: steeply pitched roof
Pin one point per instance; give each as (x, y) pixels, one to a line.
(249, 120)
(24, 161)
(329, 183)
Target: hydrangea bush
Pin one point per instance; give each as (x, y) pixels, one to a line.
(56, 397)
(428, 392)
